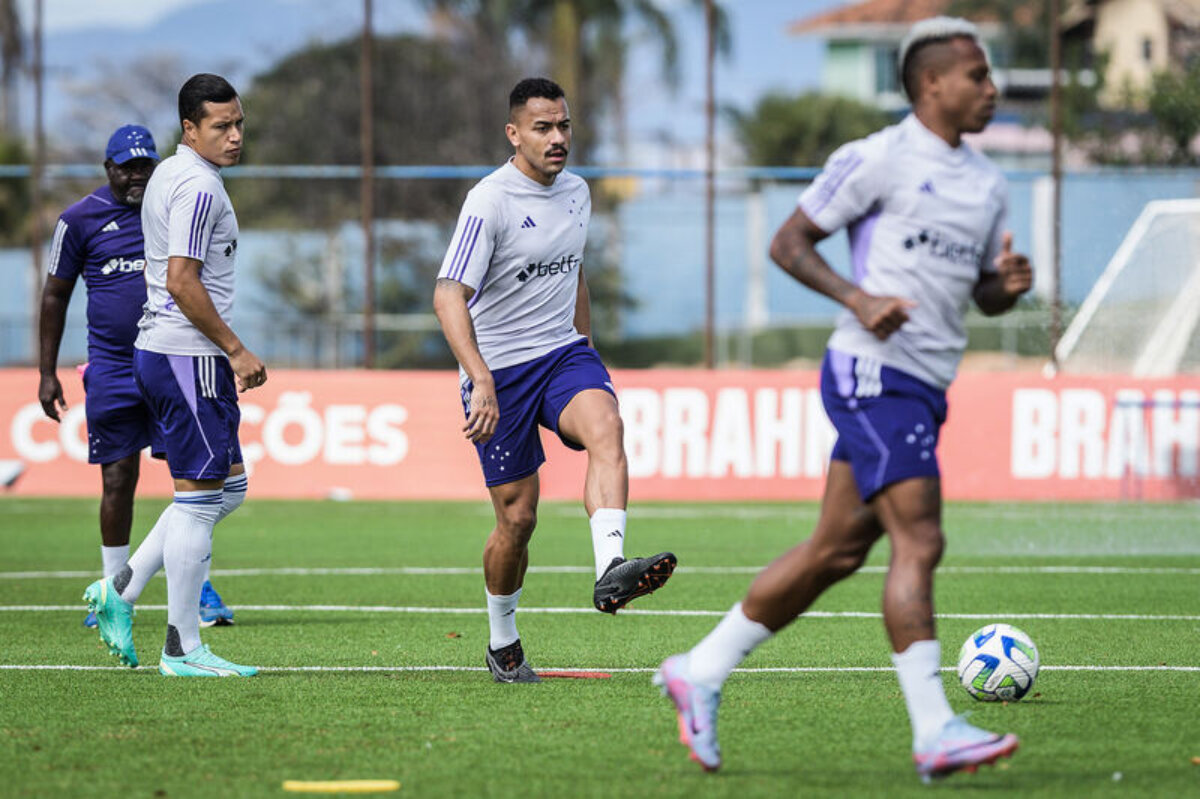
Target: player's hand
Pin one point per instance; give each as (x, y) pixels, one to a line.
(1016, 275)
(50, 394)
(248, 369)
(883, 316)
(484, 414)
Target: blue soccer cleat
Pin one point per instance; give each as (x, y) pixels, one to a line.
(114, 618)
(201, 662)
(212, 610)
(89, 621)
(696, 708)
(960, 746)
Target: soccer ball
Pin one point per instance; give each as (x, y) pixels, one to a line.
(998, 662)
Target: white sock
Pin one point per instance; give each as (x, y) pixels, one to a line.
(233, 494)
(918, 668)
(113, 558)
(147, 559)
(608, 537)
(187, 548)
(712, 660)
(502, 618)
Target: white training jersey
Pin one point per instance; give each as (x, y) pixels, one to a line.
(519, 244)
(925, 222)
(186, 212)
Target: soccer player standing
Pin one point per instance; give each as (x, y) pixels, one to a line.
(513, 304)
(100, 239)
(189, 366)
(926, 216)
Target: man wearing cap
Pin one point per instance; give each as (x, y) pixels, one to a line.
(100, 239)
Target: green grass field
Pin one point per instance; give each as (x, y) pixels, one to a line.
(367, 621)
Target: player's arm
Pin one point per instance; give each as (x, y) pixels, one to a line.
(583, 308)
(193, 300)
(794, 248)
(450, 300)
(56, 296)
(997, 292)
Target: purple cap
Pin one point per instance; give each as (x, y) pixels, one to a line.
(130, 142)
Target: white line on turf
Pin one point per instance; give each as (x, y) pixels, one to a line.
(478, 611)
(354, 571)
(622, 670)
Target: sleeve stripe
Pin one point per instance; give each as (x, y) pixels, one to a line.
(471, 231)
(462, 237)
(60, 233)
(199, 218)
(834, 179)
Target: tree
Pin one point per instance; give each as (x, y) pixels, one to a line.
(802, 131)
(1026, 25)
(428, 110)
(1175, 106)
(583, 45)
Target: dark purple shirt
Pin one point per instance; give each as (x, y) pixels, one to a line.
(101, 239)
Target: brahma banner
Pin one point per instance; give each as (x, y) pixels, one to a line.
(689, 435)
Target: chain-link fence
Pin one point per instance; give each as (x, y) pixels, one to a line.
(301, 275)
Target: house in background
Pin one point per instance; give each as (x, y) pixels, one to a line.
(1137, 38)
(862, 42)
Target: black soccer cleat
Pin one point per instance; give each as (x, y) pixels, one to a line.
(508, 664)
(626, 580)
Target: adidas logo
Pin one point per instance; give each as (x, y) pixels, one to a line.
(528, 223)
(111, 227)
(927, 187)
(614, 534)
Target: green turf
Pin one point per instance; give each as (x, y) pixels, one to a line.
(455, 733)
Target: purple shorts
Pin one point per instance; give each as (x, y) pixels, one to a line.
(531, 394)
(194, 401)
(887, 421)
(119, 422)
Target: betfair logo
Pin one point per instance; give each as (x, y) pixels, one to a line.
(559, 266)
(940, 246)
(123, 265)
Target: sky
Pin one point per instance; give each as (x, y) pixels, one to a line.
(80, 33)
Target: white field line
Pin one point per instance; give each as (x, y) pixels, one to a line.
(441, 571)
(764, 670)
(812, 614)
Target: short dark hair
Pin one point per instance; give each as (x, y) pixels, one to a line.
(201, 89)
(529, 88)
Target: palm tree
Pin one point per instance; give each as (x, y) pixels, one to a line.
(584, 43)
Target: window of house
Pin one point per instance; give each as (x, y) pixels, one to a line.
(886, 80)
(1147, 49)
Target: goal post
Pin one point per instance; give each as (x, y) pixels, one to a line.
(1140, 317)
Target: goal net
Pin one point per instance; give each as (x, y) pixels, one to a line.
(1140, 318)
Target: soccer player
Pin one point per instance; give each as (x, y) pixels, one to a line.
(189, 366)
(513, 304)
(926, 217)
(100, 239)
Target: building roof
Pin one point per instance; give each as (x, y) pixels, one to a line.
(880, 14)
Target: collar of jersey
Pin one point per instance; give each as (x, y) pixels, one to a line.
(529, 182)
(927, 140)
(188, 152)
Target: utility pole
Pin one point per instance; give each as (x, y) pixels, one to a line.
(367, 184)
(710, 194)
(35, 194)
(1056, 179)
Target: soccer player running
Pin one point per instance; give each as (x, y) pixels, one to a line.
(513, 304)
(189, 366)
(100, 239)
(926, 218)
